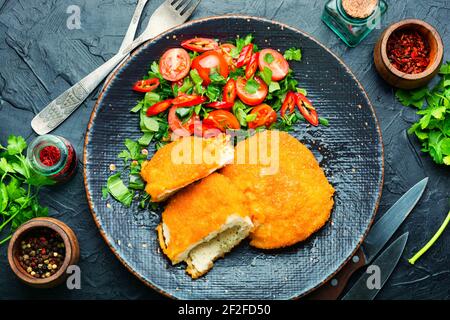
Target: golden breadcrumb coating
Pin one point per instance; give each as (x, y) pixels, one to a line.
(289, 205)
(182, 162)
(196, 212)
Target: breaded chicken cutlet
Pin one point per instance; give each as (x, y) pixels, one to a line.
(289, 204)
(182, 162)
(203, 222)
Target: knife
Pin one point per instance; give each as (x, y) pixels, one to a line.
(378, 236)
(386, 263)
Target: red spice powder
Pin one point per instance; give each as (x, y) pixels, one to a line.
(49, 156)
(408, 51)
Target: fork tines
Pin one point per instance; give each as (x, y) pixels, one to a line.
(184, 7)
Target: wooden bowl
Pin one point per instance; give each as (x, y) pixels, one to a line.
(71, 246)
(400, 79)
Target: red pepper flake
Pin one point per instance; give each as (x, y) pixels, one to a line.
(49, 156)
(408, 51)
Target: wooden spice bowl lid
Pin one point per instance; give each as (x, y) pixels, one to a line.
(72, 251)
(400, 79)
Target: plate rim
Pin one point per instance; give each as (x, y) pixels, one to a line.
(143, 46)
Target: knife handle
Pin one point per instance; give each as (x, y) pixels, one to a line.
(332, 289)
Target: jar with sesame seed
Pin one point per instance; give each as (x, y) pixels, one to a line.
(353, 20)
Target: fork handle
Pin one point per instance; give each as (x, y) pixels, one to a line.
(62, 107)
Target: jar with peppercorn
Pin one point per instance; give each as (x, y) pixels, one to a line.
(54, 157)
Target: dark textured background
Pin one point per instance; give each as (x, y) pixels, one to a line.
(39, 53)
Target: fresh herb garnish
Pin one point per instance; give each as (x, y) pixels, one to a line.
(19, 187)
(293, 54)
(266, 75)
(433, 127)
(118, 190)
(269, 58)
(252, 86)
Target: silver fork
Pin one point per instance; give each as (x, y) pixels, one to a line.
(131, 31)
(169, 14)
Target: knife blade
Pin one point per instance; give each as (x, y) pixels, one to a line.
(378, 236)
(386, 226)
(386, 263)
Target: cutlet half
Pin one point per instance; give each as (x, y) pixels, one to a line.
(202, 222)
(289, 202)
(182, 162)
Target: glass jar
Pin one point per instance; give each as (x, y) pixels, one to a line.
(353, 20)
(53, 157)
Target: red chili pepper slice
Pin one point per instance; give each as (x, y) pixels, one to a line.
(288, 104)
(220, 105)
(229, 91)
(200, 44)
(252, 65)
(188, 100)
(159, 107)
(146, 85)
(245, 56)
(307, 110)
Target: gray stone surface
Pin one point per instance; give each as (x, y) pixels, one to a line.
(40, 57)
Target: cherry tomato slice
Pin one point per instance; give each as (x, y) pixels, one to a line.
(179, 128)
(146, 85)
(275, 62)
(252, 65)
(205, 130)
(222, 120)
(159, 107)
(226, 49)
(265, 116)
(175, 64)
(229, 91)
(200, 44)
(251, 99)
(307, 110)
(209, 60)
(220, 105)
(245, 55)
(289, 103)
(188, 100)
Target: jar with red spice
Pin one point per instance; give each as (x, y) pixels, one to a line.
(54, 157)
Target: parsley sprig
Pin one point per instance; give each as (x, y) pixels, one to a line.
(19, 188)
(433, 127)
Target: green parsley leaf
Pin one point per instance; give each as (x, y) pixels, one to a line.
(324, 122)
(293, 54)
(251, 86)
(445, 68)
(146, 138)
(269, 58)
(16, 145)
(133, 148)
(274, 86)
(266, 75)
(213, 92)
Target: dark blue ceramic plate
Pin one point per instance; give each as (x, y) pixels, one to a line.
(350, 151)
